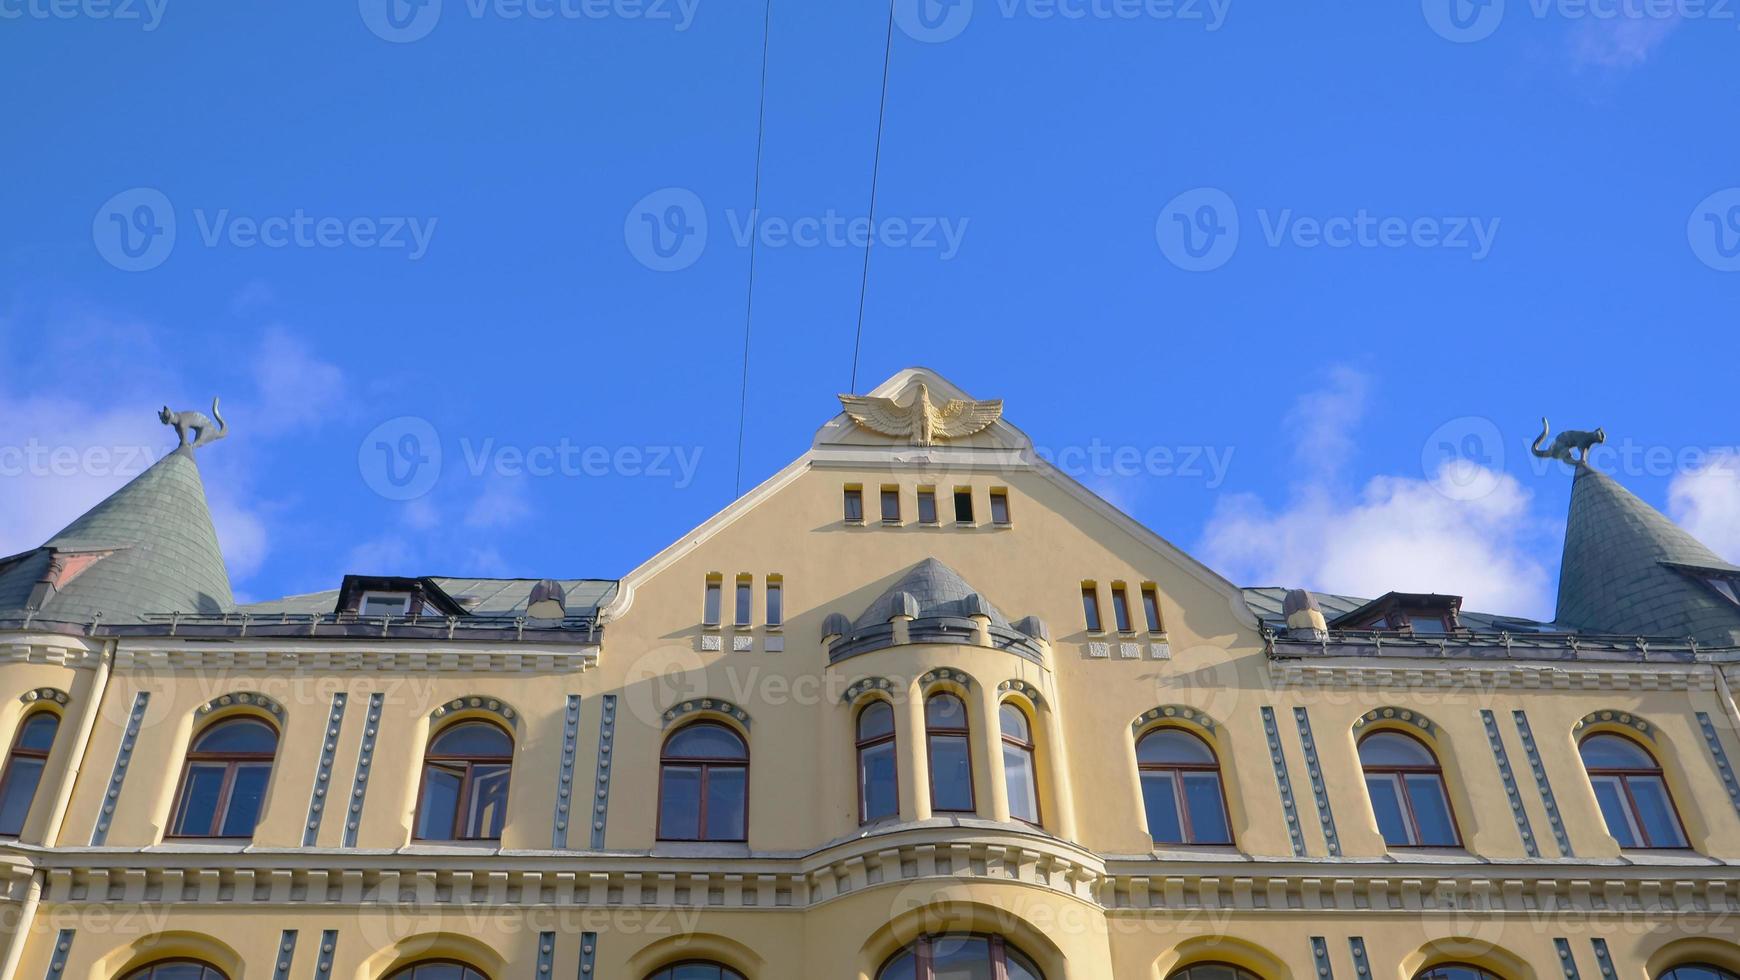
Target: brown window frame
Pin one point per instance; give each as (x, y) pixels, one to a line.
(18, 751)
(706, 764)
(927, 501)
(1092, 614)
(853, 500)
(232, 761)
(964, 515)
(1402, 772)
(1031, 748)
(465, 782)
(1151, 610)
(1000, 495)
(965, 733)
(888, 503)
(145, 972)
(997, 948)
(1176, 771)
(407, 971)
(1625, 775)
(861, 743)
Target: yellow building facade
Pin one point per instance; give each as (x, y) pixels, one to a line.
(919, 707)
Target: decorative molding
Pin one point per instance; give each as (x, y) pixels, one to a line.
(1024, 689)
(606, 743)
(1624, 718)
(365, 757)
(546, 953)
(1161, 650)
(1130, 651)
(1511, 793)
(323, 956)
(1283, 781)
(53, 695)
(251, 699)
(1720, 757)
(477, 702)
(1319, 791)
(712, 642)
(1099, 650)
(1541, 782)
(1171, 712)
(940, 674)
(714, 705)
(1567, 962)
(353, 655)
(61, 651)
(57, 959)
(1401, 716)
(123, 755)
(317, 799)
(864, 685)
(741, 643)
(1603, 958)
(1320, 956)
(1466, 676)
(286, 955)
(1361, 965)
(565, 772)
(588, 953)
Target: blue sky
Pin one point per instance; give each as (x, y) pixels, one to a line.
(1449, 223)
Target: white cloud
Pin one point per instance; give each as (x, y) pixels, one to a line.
(1706, 502)
(1398, 533)
(293, 388)
(1619, 42)
(502, 502)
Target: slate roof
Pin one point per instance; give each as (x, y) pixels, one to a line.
(1625, 570)
(1266, 602)
(496, 597)
(940, 592)
(162, 555)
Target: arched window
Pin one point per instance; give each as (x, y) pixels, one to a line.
(951, 759)
(1212, 971)
(1456, 971)
(696, 970)
(437, 970)
(24, 765)
(177, 970)
(704, 785)
(1697, 971)
(224, 782)
(1181, 789)
(878, 786)
(970, 957)
(1018, 769)
(1406, 787)
(1633, 795)
(465, 783)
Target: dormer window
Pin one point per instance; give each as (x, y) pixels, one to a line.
(1423, 614)
(385, 604)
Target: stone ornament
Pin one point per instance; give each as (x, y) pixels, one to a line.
(49, 694)
(865, 685)
(475, 702)
(1172, 712)
(1623, 718)
(1024, 689)
(1404, 716)
(715, 705)
(252, 699)
(922, 421)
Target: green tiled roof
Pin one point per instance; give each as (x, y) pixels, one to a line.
(163, 554)
(1622, 570)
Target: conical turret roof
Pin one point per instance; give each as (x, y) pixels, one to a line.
(148, 548)
(1627, 569)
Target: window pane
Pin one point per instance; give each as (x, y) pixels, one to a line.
(440, 802)
(854, 506)
(744, 598)
(486, 808)
(1090, 607)
(1386, 803)
(1014, 722)
(439, 971)
(178, 971)
(727, 799)
(876, 720)
(877, 781)
(1121, 610)
(902, 967)
(247, 790)
(1394, 749)
(775, 604)
(1173, 745)
(961, 958)
(710, 608)
(1160, 799)
(705, 741)
(1019, 967)
(964, 506)
(890, 504)
(199, 799)
(474, 739)
(1019, 780)
(22, 776)
(945, 711)
(1655, 810)
(1431, 810)
(1614, 752)
(696, 971)
(680, 803)
(1151, 609)
(1610, 794)
(38, 732)
(951, 773)
(927, 506)
(999, 508)
(1207, 809)
(239, 736)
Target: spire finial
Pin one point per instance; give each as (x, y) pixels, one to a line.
(1578, 440)
(205, 431)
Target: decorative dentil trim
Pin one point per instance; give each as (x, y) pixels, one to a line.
(1392, 715)
(1609, 717)
(1171, 712)
(253, 699)
(1021, 687)
(477, 702)
(945, 674)
(53, 695)
(864, 685)
(713, 705)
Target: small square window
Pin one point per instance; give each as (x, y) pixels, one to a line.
(1151, 608)
(999, 505)
(775, 600)
(1090, 606)
(745, 592)
(1120, 607)
(963, 505)
(855, 504)
(710, 606)
(385, 604)
(891, 505)
(927, 505)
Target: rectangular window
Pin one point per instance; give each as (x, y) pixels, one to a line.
(744, 597)
(1120, 607)
(999, 505)
(1151, 607)
(775, 600)
(710, 608)
(385, 604)
(963, 505)
(854, 503)
(951, 774)
(927, 505)
(1090, 606)
(890, 505)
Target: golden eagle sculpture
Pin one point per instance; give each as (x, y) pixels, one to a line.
(922, 420)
